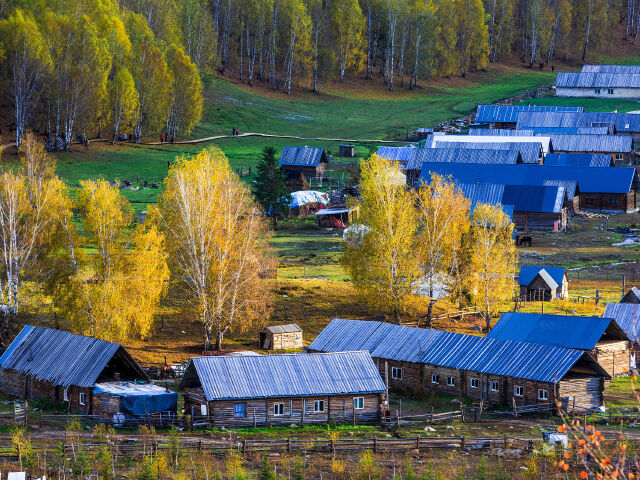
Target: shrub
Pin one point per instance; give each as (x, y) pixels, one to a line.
(267, 472)
(368, 468)
(482, 471)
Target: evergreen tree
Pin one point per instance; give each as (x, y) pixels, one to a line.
(270, 186)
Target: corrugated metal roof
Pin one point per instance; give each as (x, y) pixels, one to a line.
(570, 186)
(628, 317)
(567, 331)
(590, 180)
(509, 113)
(290, 328)
(397, 154)
(529, 272)
(569, 131)
(578, 160)
(597, 80)
(530, 152)
(485, 193)
(622, 122)
(286, 375)
(635, 291)
(61, 358)
(530, 361)
(503, 132)
(301, 156)
(592, 143)
(464, 155)
(611, 68)
(534, 198)
(545, 142)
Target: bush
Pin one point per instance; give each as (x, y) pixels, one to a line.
(368, 468)
(482, 472)
(267, 472)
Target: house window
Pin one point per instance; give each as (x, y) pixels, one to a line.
(396, 373)
(613, 200)
(588, 200)
(278, 409)
(65, 394)
(596, 90)
(318, 406)
(619, 156)
(435, 378)
(543, 394)
(81, 399)
(239, 410)
(518, 390)
(493, 386)
(473, 382)
(610, 91)
(358, 403)
(451, 381)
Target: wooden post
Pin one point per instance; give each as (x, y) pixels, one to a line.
(354, 415)
(304, 407)
(431, 415)
(254, 418)
(515, 409)
(506, 443)
(289, 445)
(597, 297)
(462, 443)
(418, 443)
(397, 418)
(400, 406)
(386, 382)
(244, 446)
(375, 444)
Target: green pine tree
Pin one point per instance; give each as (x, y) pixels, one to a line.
(270, 187)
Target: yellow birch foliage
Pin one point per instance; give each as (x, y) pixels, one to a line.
(383, 264)
(124, 101)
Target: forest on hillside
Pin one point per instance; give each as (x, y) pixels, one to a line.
(74, 69)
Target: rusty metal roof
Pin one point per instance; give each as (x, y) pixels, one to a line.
(292, 327)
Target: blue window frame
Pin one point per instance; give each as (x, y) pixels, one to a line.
(240, 410)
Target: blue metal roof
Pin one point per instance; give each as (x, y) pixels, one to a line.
(590, 180)
(529, 152)
(505, 132)
(578, 160)
(485, 193)
(622, 122)
(286, 375)
(397, 154)
(62, 358)
(570, 186)
(567, 331)
(530, 361)
(534, 198)
(597, 80)
(591, 143)
(528, 273)
(509, 113)
(611, 68)
(570, 130)
(301, 156)
(628, 317)
(484, 155)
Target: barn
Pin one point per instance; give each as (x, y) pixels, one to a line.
(618, 147)
(94, 376)
(602, 337)
(598, 84)
(281, 337)
(307, 161)
(543, 283)
(506, 116)
(264, 390)
(628, 317)
(501, 372)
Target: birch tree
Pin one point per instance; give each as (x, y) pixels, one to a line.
(186, 94)
(218, 248)
(319, 14)
(348, 23)
(124, 101)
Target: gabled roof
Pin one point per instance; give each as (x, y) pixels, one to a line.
(547, 279)
(509, 113)
(606, 130)
(485, 193)
(597, 80)
(528, 273)
(590, 180)
(464, 155)
(611, 68)
(592, 143)
(578, 160)
(397, 154)
(535, 198)
(530, 361)
(63, 358)
(628, 317)
(530, 152)
(567, 331)
(622, 122)
(570, 186)
(290, 328)
(634, 291)
(286, 375)
(301, 156)
(506, 132)
(545, 142)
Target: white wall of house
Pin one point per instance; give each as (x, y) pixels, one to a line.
(593, 92)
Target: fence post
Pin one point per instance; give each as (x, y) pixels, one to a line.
(506, 442)
(375, 444)
(462, 442)
(431, 415)
(418, 443)
(244, 446)
(289, 445)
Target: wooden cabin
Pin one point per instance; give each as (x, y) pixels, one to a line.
(346, 150)
(543, 283)
(500, 372)
(627, 315)
(265, 390)
(603, 338)
(93, 376)
(281, 337)
(632, 296)
(307, 161)
(506, 116)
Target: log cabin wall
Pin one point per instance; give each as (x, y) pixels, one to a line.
(582, 390)
(284, 341)
(614, 357)
(411, 373)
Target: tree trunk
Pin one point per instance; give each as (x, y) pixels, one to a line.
(432, 302)
(219, 338)
(396, 316)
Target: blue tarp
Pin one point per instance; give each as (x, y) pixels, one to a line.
(139, 398)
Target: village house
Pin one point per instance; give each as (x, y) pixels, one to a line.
(601, 337)
(618, 147)
(265, 390)
(542, 142)
(500, 372)
(627, 315)
(543, 283)
(530, 152)
(506, 116)
(281, 337)
(614, 83)
(307, 161)
(95, 377)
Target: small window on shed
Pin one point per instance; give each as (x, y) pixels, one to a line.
(596, 90)
(543, 394)
(278, 409)
(435, 378)
(473, 382)
(358, 403)
(610, 91)
(451, 381)
(396, 373)
(239, 410)
(81, 398)
(518, 390)
(588, 200)
(613, 200)
(619, 156)
(493, 386)
(318, 406)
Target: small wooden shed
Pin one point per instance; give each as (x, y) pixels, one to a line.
(281, 337)
(632, 296)
(346, 150)
(543, 283)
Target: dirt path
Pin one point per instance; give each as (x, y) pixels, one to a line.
(267, 135)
